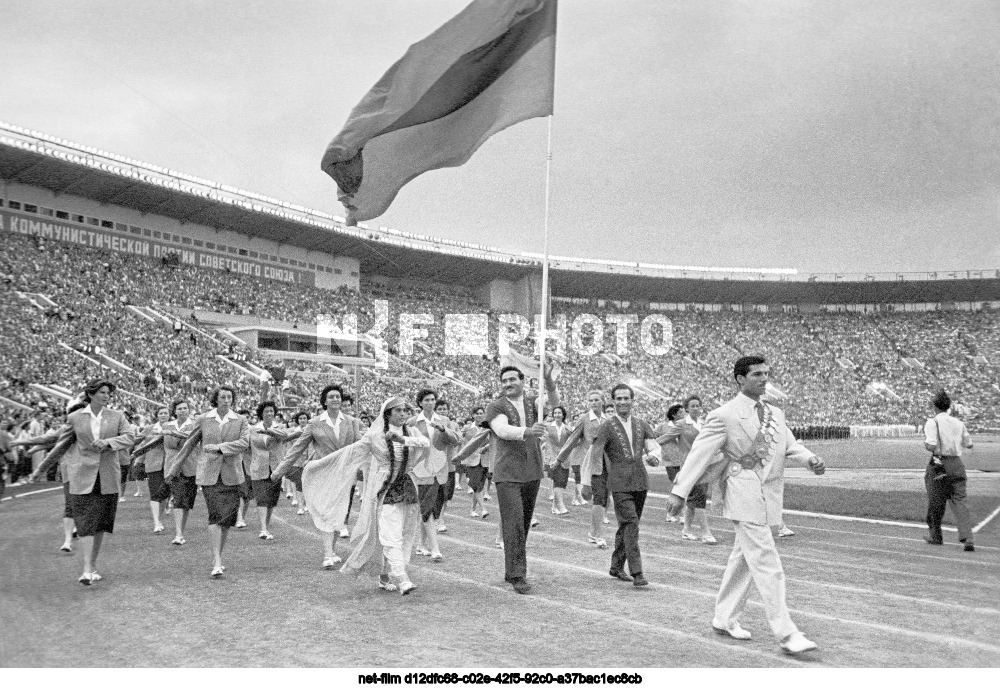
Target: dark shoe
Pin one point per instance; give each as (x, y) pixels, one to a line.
(521, 586)
(620, 575)
(969, 547)
(638, 580)
(931, 541)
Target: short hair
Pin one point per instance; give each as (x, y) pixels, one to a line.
(507, 369)
(327, 390)
(560, 408)
(440, 403)
(609, 406)
(298, 415)
(478, 408)
(674, 410)
(346, 398)
(693, 397)
(743, 363)
(622, 385)
(95, 386)
(424, 393)
(942, 402)
(214, 399)
(598, 392)
(266, 404)
(175, 403)
(161, 408)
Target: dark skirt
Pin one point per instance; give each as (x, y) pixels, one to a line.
(560, 476)
(449, 487)
(125, 471)
(68, 508)
(266, 492)
(223, 502)
(159, 490)
(477, 477)
(428, 495)
(697, 497)
(183, 489)
(95, 512)
(246, 494)
(295, 475)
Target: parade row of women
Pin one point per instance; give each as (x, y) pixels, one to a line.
(405, 464)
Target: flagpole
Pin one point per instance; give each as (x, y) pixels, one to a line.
(543, 335)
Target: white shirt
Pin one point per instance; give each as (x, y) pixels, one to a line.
(231, 415)
(505, 430)
(594, 416)
(95, 421)
(696, 424)
(335, 424)
(954, 434)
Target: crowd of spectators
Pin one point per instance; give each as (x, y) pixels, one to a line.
(824, 364)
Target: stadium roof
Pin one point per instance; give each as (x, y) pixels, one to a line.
(35, 159)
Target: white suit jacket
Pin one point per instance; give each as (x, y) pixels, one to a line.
(752, 495)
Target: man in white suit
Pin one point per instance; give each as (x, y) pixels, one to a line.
(743, 446)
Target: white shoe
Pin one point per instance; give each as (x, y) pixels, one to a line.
(606, 520)
(534, 522)
(498, 544)
(689, 536)
(300, 511)
(295, 502)
(601, 543)
(442, 528)
(218, 571)
(178, 541)
(710, 540)
(158, 528)
(94, 577)
(473, 514)
(485, 514)
(486, 497)
(385, 583)
(672, 519)
(734, 630)
(120, 500)
(422, 551)
(551, 496)
(345, 533)
(797, 643)
(406, 587)
(785, 532)
(264, 535)
(591, 539)
(330, 562)
(437, 556)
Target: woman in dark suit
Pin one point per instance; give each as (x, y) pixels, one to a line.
(91, 440)
(219, 439)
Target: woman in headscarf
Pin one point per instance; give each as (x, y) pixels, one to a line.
(390, 511)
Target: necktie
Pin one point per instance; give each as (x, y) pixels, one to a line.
(760, 412)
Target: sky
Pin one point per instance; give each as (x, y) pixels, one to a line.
(821, 135)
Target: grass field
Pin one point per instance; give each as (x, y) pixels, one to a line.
(871, 595)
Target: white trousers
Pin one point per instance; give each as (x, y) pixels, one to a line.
(397, 531)
(754, 559)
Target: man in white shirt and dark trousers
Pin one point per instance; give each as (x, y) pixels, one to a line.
(945, 479)
(517, 468)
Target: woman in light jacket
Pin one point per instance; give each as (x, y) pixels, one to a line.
(266, 452)
(218, 438)
(152, 461)
(91, 440)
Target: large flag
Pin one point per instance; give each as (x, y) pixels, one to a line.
(491, 66)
